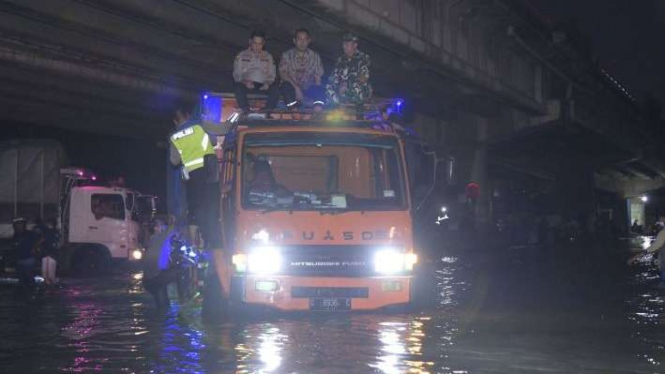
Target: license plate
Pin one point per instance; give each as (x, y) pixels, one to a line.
(330, 305)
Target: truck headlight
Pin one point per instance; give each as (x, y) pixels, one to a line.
(388, 261)
(137, 254)
(264, 260)
(393, 261)
(240, 262)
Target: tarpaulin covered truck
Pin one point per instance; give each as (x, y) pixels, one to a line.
(97, 223)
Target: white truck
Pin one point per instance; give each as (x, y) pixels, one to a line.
(97, 223)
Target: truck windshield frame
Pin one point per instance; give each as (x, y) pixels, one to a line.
(322, 171)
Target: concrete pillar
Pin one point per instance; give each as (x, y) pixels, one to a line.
(636, 211)
(575, 189)
(479, 171)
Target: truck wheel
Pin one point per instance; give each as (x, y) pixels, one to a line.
(215, 305)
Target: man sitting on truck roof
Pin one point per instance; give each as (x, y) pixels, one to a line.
(254, 71)
(349, 81)
(301, 71)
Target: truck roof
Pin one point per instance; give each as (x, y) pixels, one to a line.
(305, 125)
(324, 121)
(105, 189)
(370, 117)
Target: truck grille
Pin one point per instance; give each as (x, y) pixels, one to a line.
(340, 260)
(329, 292)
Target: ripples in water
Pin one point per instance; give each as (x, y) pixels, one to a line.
(475, 319)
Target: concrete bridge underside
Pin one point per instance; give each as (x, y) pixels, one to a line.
(486, 80)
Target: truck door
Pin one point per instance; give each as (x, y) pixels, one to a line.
(228, 198)
(143, 213)
(131, 218)
(107, 224)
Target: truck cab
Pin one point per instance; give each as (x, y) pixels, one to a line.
(96, 223)
(316, 215)
(102, 223)
(104, 216)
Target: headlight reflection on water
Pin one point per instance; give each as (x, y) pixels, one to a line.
(401, 350)
(271, 342)
(270, 349)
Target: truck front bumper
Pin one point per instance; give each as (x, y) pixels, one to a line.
(298, 293)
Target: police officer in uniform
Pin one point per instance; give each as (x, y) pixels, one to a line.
(191, 147)
(254, 71)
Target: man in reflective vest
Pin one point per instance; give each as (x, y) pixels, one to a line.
(191, 147)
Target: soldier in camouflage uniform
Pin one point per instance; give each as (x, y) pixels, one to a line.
(349, 81)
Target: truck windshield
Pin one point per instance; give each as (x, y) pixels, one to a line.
(107, 206)
(322, 171)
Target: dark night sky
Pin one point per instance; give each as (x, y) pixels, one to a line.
(628, 38)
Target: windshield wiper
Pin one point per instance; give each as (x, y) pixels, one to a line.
(323, 210)
(336, 211)
(274, 209)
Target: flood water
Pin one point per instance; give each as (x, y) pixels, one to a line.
(520, 310)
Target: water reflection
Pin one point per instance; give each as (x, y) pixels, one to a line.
(401, 347)
(109, 325)
(646, 242)
(80, 331)
(340, 343)
(266, 345)
(332, 343)
(114, 328)
(646, 306)
(647, 312)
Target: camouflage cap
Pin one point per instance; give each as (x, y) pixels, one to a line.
(349, 37)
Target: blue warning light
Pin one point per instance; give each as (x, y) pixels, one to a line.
(212, 107)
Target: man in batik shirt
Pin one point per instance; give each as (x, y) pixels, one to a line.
(349, 81)
(301, 71)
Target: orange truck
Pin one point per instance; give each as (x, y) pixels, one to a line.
(316, 213)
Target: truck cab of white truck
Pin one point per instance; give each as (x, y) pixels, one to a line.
(97, 223)
(104, 218)
(102, 223)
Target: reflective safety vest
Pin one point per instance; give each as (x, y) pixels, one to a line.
(193, 143)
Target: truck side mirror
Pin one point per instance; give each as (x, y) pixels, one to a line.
(146, 206)
(450, 169)
(130, 202)
(427, 180)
